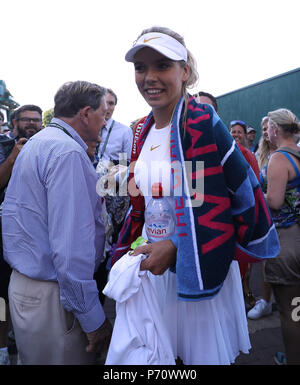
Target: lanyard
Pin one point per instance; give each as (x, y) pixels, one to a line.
(61, 128)
(106, 139)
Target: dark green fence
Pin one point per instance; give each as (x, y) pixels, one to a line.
(253, 102)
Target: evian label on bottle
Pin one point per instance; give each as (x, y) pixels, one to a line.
(162, 229)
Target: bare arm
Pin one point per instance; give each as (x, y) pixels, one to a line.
(278, 175)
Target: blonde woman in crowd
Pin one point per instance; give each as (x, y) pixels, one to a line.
(263, 306)
(265, 147)
(283, 198)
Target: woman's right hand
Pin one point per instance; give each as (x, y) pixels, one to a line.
(161, 255)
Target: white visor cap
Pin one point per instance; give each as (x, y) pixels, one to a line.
(160, 42)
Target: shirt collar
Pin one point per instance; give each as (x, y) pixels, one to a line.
(71, 130)
(108, 123)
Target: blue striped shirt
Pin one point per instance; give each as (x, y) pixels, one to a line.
(51, 225)
(119, 141)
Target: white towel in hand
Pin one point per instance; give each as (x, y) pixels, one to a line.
(140, 336)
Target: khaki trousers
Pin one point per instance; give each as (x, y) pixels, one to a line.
(46, 334)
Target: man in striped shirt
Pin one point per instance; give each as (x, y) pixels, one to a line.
(53, 238)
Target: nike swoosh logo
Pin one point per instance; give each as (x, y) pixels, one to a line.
(153, 148)
(151, 38)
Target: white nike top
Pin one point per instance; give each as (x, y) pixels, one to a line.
(154, 163)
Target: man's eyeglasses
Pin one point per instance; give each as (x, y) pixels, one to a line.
(240, 122)
(27, 120)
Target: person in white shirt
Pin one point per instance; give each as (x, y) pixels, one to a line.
(120, 136)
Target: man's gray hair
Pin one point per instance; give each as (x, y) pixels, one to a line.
(73, 96)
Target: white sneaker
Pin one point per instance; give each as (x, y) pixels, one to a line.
(261, 309)
(4, 357)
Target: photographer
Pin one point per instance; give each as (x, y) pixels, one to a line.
(27, 121)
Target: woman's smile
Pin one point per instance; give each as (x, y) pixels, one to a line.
(159, 79)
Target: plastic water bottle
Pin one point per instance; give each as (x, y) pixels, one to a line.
(159, 216)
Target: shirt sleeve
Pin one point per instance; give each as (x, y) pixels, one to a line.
(72, 202)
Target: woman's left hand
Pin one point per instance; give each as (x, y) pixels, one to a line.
(161, 255)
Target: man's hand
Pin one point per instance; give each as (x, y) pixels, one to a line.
(17, 148)
(161, 256)
(99, 339)
(7, 166)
